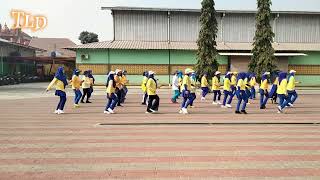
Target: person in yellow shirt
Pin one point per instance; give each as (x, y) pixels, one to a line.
(144, 88)
(59, 82)
(92, 81)
(273, 92)
(252, 83)
(216, 88)
(154, 100)
(282, 92)
(186, 88)
(111, 95)
(119, 85)
(241, 94)
(125, 81)
(204, 86)
(292, 94)
(233, 86)
(76, 84)
(264, 95)
(86, 86)
(227, 91)
(193, 80)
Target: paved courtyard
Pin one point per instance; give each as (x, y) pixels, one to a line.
(209, 143)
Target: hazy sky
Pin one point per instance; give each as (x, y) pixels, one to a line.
(67, 18)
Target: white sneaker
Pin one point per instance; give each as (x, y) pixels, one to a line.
(180, 112)
(110, 111)
(214, 103)
(248, 103)
(280, 110)
(222, 106)
(106, 112)
(147, 112)
(203, 98)
(290, 104)
(229, 106)
(184, 110)
(60, 112)
(56, 112)
(219, 102)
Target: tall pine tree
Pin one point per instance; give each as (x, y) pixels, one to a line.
(207, 51)
(263, 58)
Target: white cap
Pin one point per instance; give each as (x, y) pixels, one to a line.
(118, 70)
(266, 73)
(151, 73)
(217, 73)
(112, 72)
(228, 73)
(292, 71)
(188, 71)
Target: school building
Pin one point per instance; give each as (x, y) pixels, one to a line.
(164, 40)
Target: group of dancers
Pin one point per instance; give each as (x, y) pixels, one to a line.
(242, 85)
(184, 85)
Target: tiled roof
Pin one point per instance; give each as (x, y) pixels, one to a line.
(53, 44)
(192, 46)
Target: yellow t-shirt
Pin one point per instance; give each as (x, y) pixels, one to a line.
(151, 87)
(118, 80)
(264, 84)
(215, 83)
(76, 82)
(253, 82)
(86, 82)
(193, 86)
(56, 83)
(144, 84)
(291, 84)
(124, 80)
(204, 82)
(241, 84)
(110, 88)
(233, 80)
(282, 87)
(227, 84)
(186, 81)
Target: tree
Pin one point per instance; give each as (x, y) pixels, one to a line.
(263, 58)
(207, 51)
(88, 37)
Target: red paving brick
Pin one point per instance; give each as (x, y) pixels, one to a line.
(31, 136)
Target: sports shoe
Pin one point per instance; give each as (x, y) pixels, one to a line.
(203, 98)
(222, 106)
(153, 111)
(106, 112)
(238, 112)
(290, 104)
(184, 110)
(60, 112)
(214, 103)
(76, 106)
(56, 111)
(280, 109)
(110, 111)
(180, 112)
(229, 106)
(219, 103)
(244, 112)
(192, 107)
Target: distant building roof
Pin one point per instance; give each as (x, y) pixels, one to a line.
(53, 44)
(192, 46)
(125, 8)
(4, 41)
